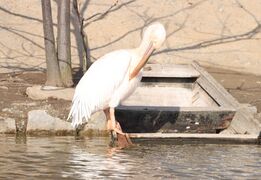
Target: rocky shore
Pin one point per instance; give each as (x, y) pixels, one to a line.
(25, 108)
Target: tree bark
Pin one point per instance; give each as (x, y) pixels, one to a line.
(86, 52)
(64, 42)
(52, 71)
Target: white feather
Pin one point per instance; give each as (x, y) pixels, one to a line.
(101, 86)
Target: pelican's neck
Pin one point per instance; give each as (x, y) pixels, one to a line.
(144, 45)
(139, 52)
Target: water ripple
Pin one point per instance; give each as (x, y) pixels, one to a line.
(92, 158)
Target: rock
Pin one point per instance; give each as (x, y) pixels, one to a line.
(7, 125)
(7, 110)
(39, 121)
(37, 93)
(96, 125)
(4, 87)
(24, 104)
(252, 109)
(12, 110)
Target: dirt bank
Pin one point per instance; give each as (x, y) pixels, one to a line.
(15, 104)
(223, 34)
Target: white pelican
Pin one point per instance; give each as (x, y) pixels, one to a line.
(112, 78)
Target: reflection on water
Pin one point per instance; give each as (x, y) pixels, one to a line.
(90, 158)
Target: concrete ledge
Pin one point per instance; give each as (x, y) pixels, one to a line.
(36, 93)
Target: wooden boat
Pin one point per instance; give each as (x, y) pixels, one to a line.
(185, 102)
(176, 99)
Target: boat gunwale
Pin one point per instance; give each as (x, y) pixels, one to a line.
(176, 108)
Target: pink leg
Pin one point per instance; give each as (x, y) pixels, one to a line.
(115, 125)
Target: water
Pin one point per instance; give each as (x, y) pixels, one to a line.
(92, 158)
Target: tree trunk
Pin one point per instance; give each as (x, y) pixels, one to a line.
(86, 52)
(52, 70)
(87, 62)
(64, 42)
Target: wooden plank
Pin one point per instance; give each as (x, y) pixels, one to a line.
(240, 138)
(173, 109)
(244, 121)
(201, 98)
(170, 70)
(169, 96)
(214, 89)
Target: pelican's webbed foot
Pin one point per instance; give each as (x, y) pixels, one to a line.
(123, 140)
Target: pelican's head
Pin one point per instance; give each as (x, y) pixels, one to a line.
(155, 34)
(153, 37)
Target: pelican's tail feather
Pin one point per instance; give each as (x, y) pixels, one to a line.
(80, 112)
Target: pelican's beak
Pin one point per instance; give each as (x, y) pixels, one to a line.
(148, 53)
(143, 61)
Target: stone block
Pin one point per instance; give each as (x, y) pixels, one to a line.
(7, 125)
(40, 120)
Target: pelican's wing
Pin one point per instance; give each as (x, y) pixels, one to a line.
(98, 85)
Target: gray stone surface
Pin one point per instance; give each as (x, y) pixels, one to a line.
(97, 122)
(7, 125)
(40, 120)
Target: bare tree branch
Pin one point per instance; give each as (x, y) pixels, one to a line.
(103, 14)
(112, 8)
(248, 35)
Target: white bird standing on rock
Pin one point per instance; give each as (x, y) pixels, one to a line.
(112, 78)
